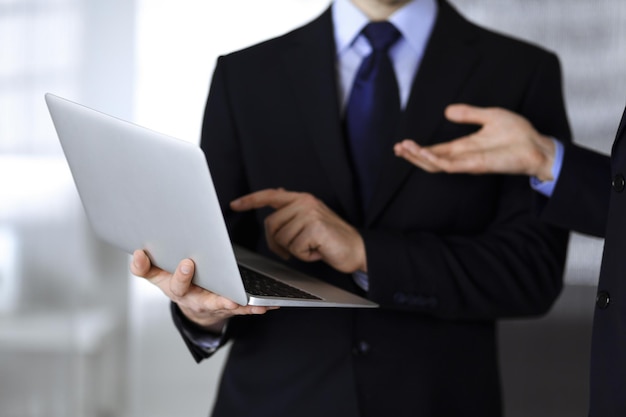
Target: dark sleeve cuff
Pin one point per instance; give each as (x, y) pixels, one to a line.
(201, 342)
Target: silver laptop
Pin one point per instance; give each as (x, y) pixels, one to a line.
(144, 190)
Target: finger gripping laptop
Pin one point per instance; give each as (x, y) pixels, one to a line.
(145, 190)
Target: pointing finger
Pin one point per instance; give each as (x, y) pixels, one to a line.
(273, 197)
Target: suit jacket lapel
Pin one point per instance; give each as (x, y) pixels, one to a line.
(310, 65)
(447, 64)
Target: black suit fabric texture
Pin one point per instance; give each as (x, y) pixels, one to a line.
(590, 197)
(448, 255)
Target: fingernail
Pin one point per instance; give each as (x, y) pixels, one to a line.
(185, 269)
(235, 203)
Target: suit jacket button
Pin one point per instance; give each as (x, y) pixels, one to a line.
(603, 299)
(618, 183)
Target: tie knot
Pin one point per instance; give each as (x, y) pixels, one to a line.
(381, 35)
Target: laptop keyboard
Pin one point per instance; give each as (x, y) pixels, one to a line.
(258, 284)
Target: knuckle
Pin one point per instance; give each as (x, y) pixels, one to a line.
(308, 199)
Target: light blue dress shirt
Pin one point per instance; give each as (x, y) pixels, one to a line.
(415, 22)
(547, 187)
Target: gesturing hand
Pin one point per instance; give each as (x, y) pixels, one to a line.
(507, 144)
(306, 228)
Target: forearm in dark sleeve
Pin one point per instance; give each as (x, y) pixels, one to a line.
(580, 200)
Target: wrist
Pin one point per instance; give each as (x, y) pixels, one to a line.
(211, 325)
(546, 150)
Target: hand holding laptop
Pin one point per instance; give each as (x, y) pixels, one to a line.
(203, 307)
(145, 190)
(306, 228)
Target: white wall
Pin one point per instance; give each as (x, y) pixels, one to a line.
(63, 295)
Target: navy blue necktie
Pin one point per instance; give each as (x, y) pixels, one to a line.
(373, 108)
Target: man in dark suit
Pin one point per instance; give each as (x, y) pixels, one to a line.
(586, 193)
(444, 256)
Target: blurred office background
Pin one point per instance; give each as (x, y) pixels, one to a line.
(79, 336)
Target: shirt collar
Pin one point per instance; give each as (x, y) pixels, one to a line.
(414, 20)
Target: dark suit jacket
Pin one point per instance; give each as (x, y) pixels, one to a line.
(447, 254)
(590, 197)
